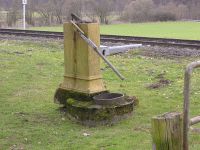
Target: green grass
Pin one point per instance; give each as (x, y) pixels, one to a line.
(180, 30)
(30, 119)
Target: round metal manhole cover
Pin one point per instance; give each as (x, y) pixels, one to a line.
(109, 99)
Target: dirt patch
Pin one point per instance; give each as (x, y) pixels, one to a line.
(27, 91)
(17, 147)
(161, 76)
(160, 83)
(112, 44)
(142, 129)
(169, 52)
(10, 53)
(62, 110)
(28, 38)
(41, 65)
(13, 139)
(18, 53)
(1, 82)
(34, 118)
(195, 130)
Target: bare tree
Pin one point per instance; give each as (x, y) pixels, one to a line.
(102, 9)
(194, 7)
(1, 5)
(58, 9)
(76, 6)
(13, 13)
(31, 9)
(139, 10)
(119, 5)
(182, 11)
(46, 11)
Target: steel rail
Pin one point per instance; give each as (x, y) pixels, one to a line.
(110, 38)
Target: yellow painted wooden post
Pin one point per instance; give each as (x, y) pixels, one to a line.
(82, 64)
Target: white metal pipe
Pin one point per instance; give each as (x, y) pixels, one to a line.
(117, 49)
(24, 16)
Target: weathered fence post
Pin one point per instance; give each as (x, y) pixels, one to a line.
(167, 132)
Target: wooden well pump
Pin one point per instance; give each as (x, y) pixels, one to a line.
(82, 92)
(82, 57)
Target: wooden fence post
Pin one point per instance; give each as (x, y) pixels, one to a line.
(167, 132)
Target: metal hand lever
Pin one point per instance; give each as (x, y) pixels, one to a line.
(186, 121)
(93, 45)
(76, 18)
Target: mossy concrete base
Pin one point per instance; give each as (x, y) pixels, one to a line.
(90, 114)
(81, 108)
(61, 95)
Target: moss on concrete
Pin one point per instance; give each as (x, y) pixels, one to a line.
(70, 101)
(90, 114)
(61, 95)
(76, 103)
(82, 109)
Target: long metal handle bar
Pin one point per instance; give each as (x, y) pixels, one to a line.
(187, 86)
(75, 17)
(93, 45)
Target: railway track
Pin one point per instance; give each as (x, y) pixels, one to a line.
(110, 38)
(152, 41)
(31, 33)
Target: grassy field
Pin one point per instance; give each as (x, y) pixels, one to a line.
(180, 30)
(30, 74)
